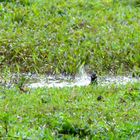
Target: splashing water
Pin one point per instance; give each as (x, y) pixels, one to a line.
(81, 79)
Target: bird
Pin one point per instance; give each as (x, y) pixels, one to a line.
(99, 98)
(93, 78)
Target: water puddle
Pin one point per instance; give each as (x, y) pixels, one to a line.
(81, 79)
(67, 81)
(51, 81)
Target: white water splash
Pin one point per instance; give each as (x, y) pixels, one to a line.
(81, 79)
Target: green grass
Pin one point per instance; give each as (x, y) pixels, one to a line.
(59, 36)
(71, 113)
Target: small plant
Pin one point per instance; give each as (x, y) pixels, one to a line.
(4, 120)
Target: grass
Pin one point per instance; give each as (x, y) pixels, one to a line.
(59, 36)
(71, 113)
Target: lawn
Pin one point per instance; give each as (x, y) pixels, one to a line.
(59, 37)
(91, 112)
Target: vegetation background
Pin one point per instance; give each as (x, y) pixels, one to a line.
(59, 36)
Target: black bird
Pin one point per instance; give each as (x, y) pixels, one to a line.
(99, 98)
(93, 78)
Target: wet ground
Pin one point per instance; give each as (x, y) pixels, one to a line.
(82, 79)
